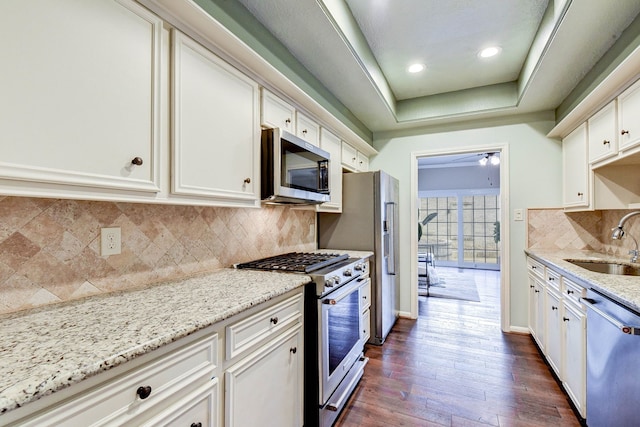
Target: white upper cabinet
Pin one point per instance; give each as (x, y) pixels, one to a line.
(349, 157)
(216, 132)
(307, 129)
(603, 135)
(353, 160)
(628, 117)
(80, 90)
(332, 144)
(576, 173)
(276, 113)
(362, 162)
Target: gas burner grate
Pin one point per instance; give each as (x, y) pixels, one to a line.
(299, 262)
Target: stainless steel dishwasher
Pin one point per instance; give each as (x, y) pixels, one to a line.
(613, 354)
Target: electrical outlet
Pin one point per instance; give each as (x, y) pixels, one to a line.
(518, 215)
(110, 241)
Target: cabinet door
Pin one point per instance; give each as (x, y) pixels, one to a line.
(603, 137)
(628, 113)
(307, 129)
(332, 144)
(277, 113)
(80, 100)
(349, 157)
(575, 172)
(539, 314)
(215, 126)
(575, 344)
(266, 386)
(554, 327)
(362, 162)
(532, 304)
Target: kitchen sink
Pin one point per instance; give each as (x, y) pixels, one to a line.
(607, 267)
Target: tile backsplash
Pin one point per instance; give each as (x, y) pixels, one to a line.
(556, 229)
(50, 248)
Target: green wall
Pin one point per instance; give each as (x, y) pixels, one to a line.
(243, 25)
(535, 180)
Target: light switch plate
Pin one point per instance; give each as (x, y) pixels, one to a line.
(518, 215)
(110, 241)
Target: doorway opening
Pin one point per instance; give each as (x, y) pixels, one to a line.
(459, 207)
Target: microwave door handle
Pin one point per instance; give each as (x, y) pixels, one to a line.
(390, 249)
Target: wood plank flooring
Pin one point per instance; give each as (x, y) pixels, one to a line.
(454, 367)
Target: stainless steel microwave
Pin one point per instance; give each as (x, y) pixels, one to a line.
(293, 171)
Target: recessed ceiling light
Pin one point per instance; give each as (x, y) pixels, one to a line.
(489, 52)
(415, 68)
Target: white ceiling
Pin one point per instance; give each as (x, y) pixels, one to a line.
(359, 50)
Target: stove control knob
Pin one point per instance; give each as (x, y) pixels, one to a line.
(347, 273)
(359, 267)
(330, 282)
(336, 279)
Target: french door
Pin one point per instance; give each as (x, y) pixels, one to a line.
(461, 228)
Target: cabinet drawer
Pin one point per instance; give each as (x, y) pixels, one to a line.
(535, 268)
(573, 292)
(263, 325)
(365, 295)
(366, 325)
(552, 279)
(200, 408)
(118, 400)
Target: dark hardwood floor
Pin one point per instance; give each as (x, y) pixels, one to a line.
(454, 367)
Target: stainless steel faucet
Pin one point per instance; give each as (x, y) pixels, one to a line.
(618, 233)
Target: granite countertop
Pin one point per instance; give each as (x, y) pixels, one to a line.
(624, 289)
(47, 349)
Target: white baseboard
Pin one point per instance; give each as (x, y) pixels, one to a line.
(406, 315)
(519, 330)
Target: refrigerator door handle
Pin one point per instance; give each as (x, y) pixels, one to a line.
(389, 244)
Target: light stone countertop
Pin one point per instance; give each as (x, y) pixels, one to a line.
(48, 349)
(624, 289)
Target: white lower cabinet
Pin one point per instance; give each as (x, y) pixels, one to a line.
(264, 388)
(142, 393)
(564, 322)
(536, 310)
(198, 409)
(554, 330)
(574, 330)
(194, 381)
(365, 308)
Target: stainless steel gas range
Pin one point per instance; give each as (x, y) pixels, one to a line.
(335, 331)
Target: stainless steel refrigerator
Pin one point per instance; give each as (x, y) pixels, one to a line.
(368, 222)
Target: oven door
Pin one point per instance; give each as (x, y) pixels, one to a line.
(340, 336)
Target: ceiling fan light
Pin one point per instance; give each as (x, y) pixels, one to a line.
(495, 160)
(415, 68)
(489, 52)
(483, 161)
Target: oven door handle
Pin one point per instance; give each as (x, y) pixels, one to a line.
(341, 293)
